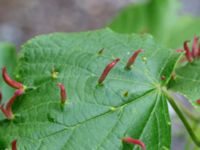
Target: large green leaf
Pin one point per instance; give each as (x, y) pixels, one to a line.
(130, 102)
(159, 18)
(7, 58)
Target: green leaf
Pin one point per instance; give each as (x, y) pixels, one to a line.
(152, 17)
(185, 29)
(159, 18)
(187, 81)
(8, 59)
(95, 117)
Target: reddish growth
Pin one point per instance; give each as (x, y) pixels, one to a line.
(107, 70)
(133, 58)
(130, 140)
(63, 93)
(9, 81)
(7, 110)
(163, 77)
(198, 101)
(0, 97)
(14, 145)
(190, 55)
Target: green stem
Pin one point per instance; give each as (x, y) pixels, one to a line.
(182, 117)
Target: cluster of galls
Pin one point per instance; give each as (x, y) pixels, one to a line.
(190, 55)
(7, 109)
(20, 89)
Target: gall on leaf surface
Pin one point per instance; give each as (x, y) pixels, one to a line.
(7, 58)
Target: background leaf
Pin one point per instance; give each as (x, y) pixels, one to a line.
(187, 81)
(185, 29)
(159, 18)
(94, 117)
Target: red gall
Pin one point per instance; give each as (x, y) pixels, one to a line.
(107, 70)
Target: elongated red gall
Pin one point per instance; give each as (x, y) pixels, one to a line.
(63, 93)
(130, 140)
(107, 70)
(7, 110)
(198, 101)
(14, 145)
(0, 97)
(9, 81)
(195, 50)
(133, 58)
(188, 54)
(199, 51)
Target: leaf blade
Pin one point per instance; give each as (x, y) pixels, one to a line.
(93, 115)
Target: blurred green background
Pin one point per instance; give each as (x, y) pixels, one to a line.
(22, 19)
